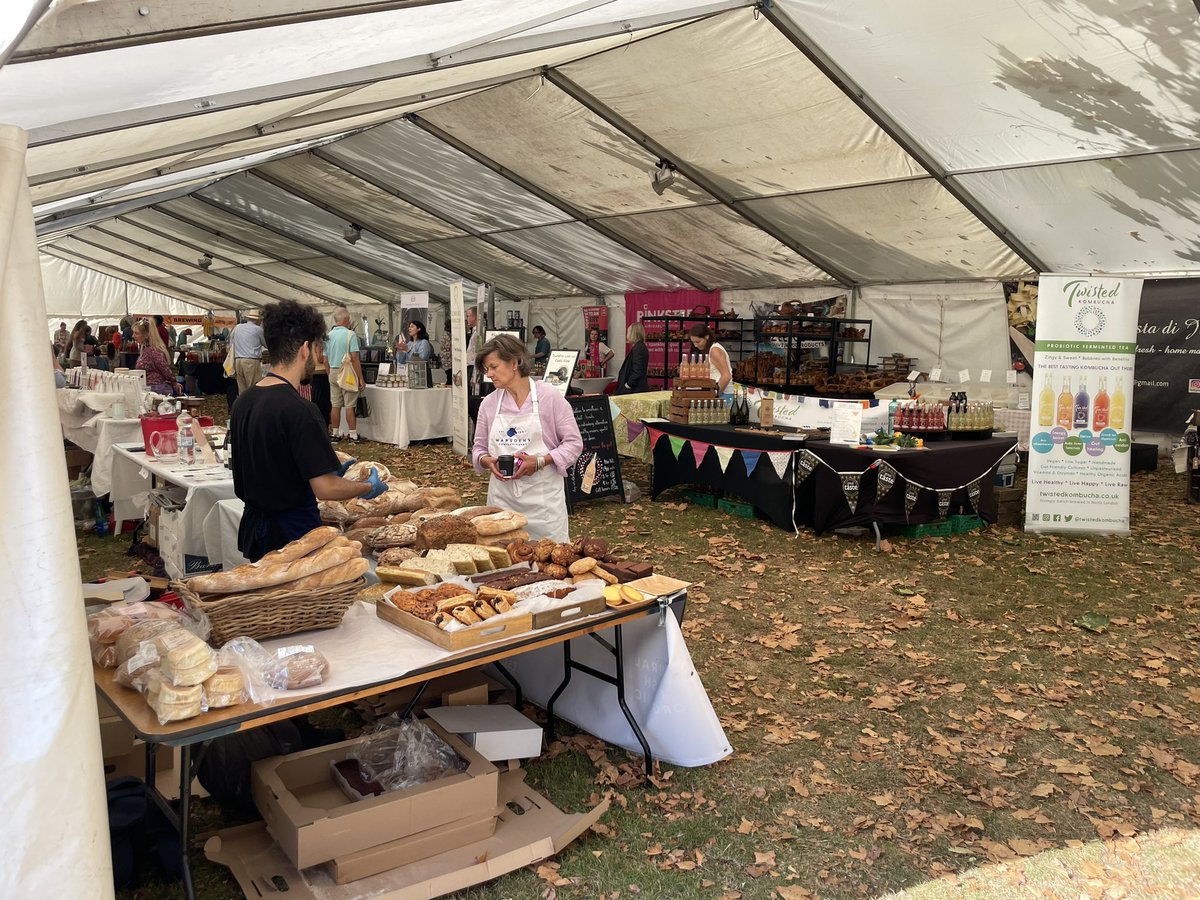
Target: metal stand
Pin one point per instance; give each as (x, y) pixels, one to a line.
(617, 649)
(179, 818)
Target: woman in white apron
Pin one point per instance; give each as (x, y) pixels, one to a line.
(532, 423)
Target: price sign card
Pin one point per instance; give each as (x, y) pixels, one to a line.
(935, 375)
(914, 375)
(847, 424)
(964, 375)
(985, 376)
(1011, 376)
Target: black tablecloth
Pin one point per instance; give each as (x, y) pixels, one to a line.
(819, 500)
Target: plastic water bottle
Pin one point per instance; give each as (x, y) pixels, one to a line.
(187, 441)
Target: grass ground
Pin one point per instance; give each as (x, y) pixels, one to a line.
(896, 716)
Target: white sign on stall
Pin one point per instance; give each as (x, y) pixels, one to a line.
(458, 352)
(559, 368)
(847, 424)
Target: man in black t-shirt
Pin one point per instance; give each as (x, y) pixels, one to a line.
(282, 461)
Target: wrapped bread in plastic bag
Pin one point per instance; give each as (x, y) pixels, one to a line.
(171, 703)
(399, 753)
(267, 672)
(130, 673)
(226, 686)
(106, 624)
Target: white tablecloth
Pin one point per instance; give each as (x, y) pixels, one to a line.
(98, 437)
(204, 487)
(401, 415)
(1016, 420)
(221, 531)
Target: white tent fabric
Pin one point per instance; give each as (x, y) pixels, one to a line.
(851, 144)
(74, 291)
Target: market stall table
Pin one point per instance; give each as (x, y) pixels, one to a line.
(368, 657)
(134, 474)
(812, 482)
(98, 436)
(592, 385)
(401, 415)
(632, 438)
(1016, 421)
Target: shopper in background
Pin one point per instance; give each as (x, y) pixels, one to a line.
(632, 377)
(163, 334)
(537, 427)
(62, 336)
(320, 382)
(342, 347)
(598, 352)
(416, 347)
(541, 347)
(246, 343)
(704, 339)
(76, 348)
(153, 359)
(60, 378)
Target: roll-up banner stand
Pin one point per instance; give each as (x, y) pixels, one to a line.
(1082, 404)
(458, 351)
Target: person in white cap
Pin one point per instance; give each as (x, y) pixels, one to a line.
(246, 343)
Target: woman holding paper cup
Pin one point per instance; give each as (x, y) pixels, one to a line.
(526, 437)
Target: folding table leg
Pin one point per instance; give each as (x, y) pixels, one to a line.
(619, 653)
(567, 667)
(185, 808)
(518, 695)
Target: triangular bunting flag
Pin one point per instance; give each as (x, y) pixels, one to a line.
(806, 462)
(887, 476)
(943, 502)
(911, 492)
(613, 410)
(780, 461)
(751, 458)
(676, 444)
(724, 454)
(850, 488)
(699, 450)
(973, 493)
(635, 429)
(655, 437)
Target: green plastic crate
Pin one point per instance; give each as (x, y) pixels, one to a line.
(736, 508)
(963, 524)
(941, 528)
(701, 498)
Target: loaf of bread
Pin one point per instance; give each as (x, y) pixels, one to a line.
(392, 536)
(394, 556)
(473, 512)
(131, 639)
(306, 668)
(405, 576)
(424, 515)
(225, 688)
(361, 471)
(373, 593)
(185, 659)
(333, 511)
(351, 570)
(435, 534)
(500, 557)
(254, 576)
(499, 523)
(503, 540)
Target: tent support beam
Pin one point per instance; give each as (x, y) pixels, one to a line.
(556, 202)
(692, 173)
(316, 248)
(199, 248)
(441, 216)
(181, 276)
(9, 53)
(806, 45)
(82, 259)
(291, 263)
(369, 75)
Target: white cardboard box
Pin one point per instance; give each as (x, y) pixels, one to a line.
(496, 732)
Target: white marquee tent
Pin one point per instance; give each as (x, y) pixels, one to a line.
(911, 154)
(832, 146)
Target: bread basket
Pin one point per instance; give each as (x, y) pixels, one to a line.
(271, 613)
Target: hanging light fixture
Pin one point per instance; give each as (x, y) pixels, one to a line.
(662, 177)
(352, 233)
(205, 262)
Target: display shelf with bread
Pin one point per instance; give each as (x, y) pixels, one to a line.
(668, 341)
(810, 354)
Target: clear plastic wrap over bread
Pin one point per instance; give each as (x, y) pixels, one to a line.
(268, 672)
(106, 625)
(400, 753)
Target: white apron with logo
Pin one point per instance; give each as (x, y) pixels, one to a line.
(540, 497)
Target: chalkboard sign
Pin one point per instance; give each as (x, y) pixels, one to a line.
(597, 472)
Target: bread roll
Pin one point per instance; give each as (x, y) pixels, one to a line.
(254, 576)
(498, 523)
(225, 688)
(543, 549)
(582, 565)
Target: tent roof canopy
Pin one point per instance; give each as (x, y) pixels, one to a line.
(517, 144)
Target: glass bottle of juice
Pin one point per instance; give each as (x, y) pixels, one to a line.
(1100, 409)
(1082, 405)
(1046, 405)
(1116, 414)
(1066, 406)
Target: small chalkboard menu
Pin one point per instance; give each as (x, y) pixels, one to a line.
(597, 472)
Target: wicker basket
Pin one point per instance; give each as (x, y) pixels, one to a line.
(271, 613)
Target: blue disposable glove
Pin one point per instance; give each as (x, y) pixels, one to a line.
(378, 485)
(345, 467)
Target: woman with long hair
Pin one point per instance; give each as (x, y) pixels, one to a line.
(536, 426)
(153, 359)
(417, 346)
(76, 347)
(597, 352)
(704, 339)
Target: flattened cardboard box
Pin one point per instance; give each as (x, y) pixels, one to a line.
(540, 832)
(409, 849)
(314, 821)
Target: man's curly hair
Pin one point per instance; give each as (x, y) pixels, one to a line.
(286, 326)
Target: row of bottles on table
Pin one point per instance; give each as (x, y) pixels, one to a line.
(694, 365)
(913, 415)
(959, 414)
(970, 415)
(1077, 410)
(708, 412)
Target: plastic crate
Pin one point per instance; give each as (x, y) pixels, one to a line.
(941, 528)
(963, 524)
(701, 498)
(736, 508)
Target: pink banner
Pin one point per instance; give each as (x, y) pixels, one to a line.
(639, 305)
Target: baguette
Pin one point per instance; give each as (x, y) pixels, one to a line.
(348, 571)
(255, 576)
